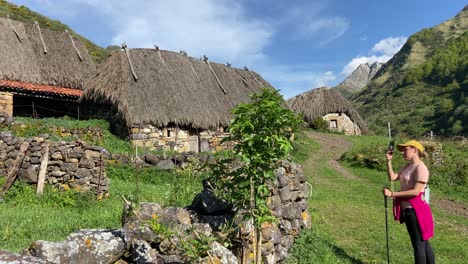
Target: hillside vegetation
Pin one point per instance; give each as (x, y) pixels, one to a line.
(24, 14)
(424, 86)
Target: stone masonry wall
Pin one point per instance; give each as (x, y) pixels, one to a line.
(344, 124)
(6, 103)
(170, 138)
(71, 165)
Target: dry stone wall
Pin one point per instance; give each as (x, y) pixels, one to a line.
(138, 242)
(171, 138)
(343, 124)
(71, 165)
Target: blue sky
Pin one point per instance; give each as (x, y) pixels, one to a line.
(296, 45)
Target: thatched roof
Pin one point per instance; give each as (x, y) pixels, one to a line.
(321, 101)
(22, 57)
(171, 88)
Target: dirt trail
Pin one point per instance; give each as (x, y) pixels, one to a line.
(336, 146)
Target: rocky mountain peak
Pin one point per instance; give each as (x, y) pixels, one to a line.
(359, 78)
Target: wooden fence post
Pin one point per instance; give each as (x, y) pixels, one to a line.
(12, 174)
(43, 170)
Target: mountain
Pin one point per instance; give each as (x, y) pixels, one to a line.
(424, 87)
(24, 14)
(362, 75)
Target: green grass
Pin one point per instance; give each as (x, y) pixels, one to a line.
(25, 218)
(32, 127)
(348, 218)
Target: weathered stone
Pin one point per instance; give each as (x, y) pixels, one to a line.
(142, 253)
(306, 221)
(71, 160)
(207, 203)
(270, 231)
(85, 163)
(54, 163)
(82, 173)
(56, 156)
(286, 226)
(28, 175)
(84, 246)
(295, 196)
(269, 258)
(138, 136)
(284, 194)
(9, 257)
(35, 160)
(281, 252)
(292, 211)
(165, 164)
(69, 166)
(91, 155)
(168, 246)
(287, 241)
(151, 158)
(202, 228)
(221, 253)
(280, 174)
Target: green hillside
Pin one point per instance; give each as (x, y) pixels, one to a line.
(24, 14)
(424, 86)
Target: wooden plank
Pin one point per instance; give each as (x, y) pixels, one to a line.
(43, 170)
(14, 171)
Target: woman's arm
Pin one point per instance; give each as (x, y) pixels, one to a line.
(392, 176)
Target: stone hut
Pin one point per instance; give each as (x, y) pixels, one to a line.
(165, 100)
(332, 107)
(41, 71)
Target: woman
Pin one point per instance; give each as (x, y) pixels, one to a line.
(408, 205)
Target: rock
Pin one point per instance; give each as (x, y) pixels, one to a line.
(286, 226)
(287, 241)
(91, 155)
(281, 252)
(142, 253)
(28, 175)
(292, 211)
(72, 167)
(84, 246)
(284, 194)
(57, 156)
(221, 253)
(206, 203)
(85, 163)
(82, 173)
(165, 164)
(151, 158)
(9, 257)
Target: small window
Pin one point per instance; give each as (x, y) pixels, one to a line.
(168, 133)
(333, 124)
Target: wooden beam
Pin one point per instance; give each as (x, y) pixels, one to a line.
(43, 170)
(14, 171)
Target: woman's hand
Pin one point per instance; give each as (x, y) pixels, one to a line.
(389, 155)
(387, 192)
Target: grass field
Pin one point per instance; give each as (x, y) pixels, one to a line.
(348, 218)
(348, 214)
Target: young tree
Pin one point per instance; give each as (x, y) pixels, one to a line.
(261, 133)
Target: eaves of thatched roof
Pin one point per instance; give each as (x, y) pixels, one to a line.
(24, 61)
(171, 88)
(321, 101)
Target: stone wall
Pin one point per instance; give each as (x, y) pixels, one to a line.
(6, 103)
(71, 165)
(343, 124)
(139, 242)
(172, 138)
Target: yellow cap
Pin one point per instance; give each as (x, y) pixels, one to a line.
(411, 143)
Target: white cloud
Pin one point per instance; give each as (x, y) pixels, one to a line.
(328, 28)
(380, 52)
(389, 46)
(218, 28)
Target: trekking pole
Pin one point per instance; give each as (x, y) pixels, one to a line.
(386, 228)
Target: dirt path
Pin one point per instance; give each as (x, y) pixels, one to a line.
(336, 146)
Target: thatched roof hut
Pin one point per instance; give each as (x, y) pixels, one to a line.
(39, 61)
(322, 101)
(169, 88)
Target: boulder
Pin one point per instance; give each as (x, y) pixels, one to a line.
(84, 246)
(9, 257)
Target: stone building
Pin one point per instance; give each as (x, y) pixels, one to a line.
(41, 71)
(165, 100)
(329, 104)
